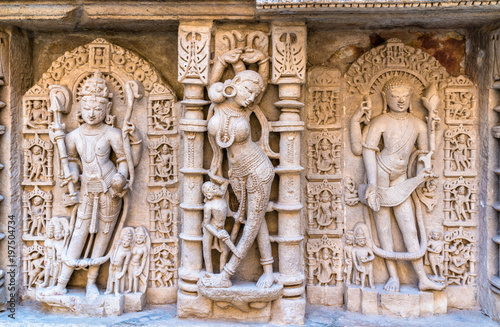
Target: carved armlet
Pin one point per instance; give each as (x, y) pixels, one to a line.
(368, 147)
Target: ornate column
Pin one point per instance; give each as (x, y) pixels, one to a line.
(194, 54)
(288, 72)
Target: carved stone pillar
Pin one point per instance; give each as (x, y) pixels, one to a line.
(288, 72)
(194, 54)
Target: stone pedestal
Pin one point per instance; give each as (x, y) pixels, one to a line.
(325, 295)
(77, 303)
(134, 301)
(407, 303)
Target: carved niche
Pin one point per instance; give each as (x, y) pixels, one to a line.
(460, 257)
(324, 258)
(323, 98)
(163, 166)
(460, 152)
(33, 265)
(122, 70)
(37, 211)
(323, 155)
(460, 202)
(460, 101)
(163, 266)
(324, 208)
(38, 162)
(164, 210)
(161, 112)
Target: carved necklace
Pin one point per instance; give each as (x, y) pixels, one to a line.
(225, 135)
(85, 132)
(393, 116)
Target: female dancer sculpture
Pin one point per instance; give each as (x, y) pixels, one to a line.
(250, 170)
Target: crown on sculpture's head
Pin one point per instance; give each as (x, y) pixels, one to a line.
(359, 234)
(395, 82)
(96, 85)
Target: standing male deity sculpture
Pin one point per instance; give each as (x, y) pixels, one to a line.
(395, 171)
(103, 181)
(250, 170)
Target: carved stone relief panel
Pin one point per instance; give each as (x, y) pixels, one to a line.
(194, 54)
(460, 202)
(325, 262)
(99, 146)
(324, 208)
(460, 152)
(163, 267)
(37, 211)
(289, 54)
(164, 212)
(323, 99)
(163, 166)
(460, 101)
(38, 161)
(323, 155)
(460, 257)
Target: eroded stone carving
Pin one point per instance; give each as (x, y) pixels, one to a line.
(324, 262)
(161, 112)
(362, 257)
(164, 210)
(38, 162)
(37, 116)
(460, 198)
(460, 257)
(33, 265)
(163, 167)
(324, 208)
(55, 243)
(460, 101)
(37, 211)
(163, 266)
(350, 192)
(324, 156)
(289, 54)
(460, 152)
(435, 255)
(323, 108)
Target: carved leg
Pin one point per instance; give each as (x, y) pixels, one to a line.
(383, 223)
(405, 217)
(207, 250)
(266, 257)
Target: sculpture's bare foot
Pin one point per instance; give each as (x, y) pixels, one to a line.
(266, 280)
(92, 291)
(215, 281)
(56, 290)
(426, 284)
(108, 292)
(392, 285)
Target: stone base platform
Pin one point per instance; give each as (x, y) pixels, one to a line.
(325, 295)
(242, 301)
(407, 303)
(76, 302)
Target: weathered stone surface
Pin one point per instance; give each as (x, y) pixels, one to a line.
(369, 302)
(404, 304)
(331, 295)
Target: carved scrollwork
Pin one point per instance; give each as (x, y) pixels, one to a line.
(289, 54)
